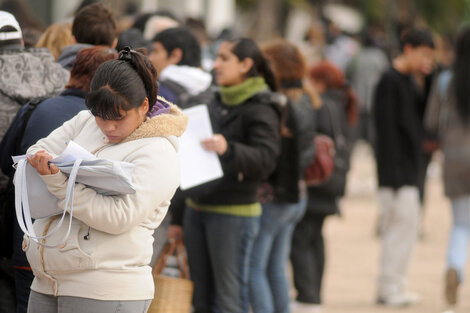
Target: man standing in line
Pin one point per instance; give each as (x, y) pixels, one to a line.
(398, 149)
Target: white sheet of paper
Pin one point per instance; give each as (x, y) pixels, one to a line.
(72, 152)
(198, 166)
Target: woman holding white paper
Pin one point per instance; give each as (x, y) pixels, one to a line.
(103, 265)
(221, 223)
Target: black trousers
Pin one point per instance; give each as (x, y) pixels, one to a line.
(308, 258)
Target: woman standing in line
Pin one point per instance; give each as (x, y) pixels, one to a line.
(336, 119)
(103, 265)
(448, 115)
(284, 196)
(222, 222)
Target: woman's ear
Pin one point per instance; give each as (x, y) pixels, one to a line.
(144, 107)
(246, 65)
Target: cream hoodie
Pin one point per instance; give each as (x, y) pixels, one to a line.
(107, 254)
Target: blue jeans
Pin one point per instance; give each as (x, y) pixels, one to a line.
(269, 291)
(219, 249)
(458, 241)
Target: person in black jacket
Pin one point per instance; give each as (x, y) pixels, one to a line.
(399, 126)
(336, 118)
(222, 222)
(283, 196)
(45, 117)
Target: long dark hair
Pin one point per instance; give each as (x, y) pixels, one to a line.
(461, 75)
(246, 48)
(122, 84)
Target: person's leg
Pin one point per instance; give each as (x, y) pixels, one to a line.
(198, 260)
(457, 247)
(7, 287)
(23, 280)
(289, 215)
(41, 303)
(230, 240)
(261, 300)
(85, 305)
(400, 211)
(303, 260)
(458, 241)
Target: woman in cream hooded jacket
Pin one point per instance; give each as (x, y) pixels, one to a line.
(107, 254)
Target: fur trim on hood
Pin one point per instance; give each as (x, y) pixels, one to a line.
(163, 125)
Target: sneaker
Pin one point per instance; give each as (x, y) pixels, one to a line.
(452, 284)
(399, 300)
(304, 307)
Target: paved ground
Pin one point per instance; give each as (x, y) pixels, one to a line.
(353, 250)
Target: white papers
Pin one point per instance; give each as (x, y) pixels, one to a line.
(198, 166)
(72, 152)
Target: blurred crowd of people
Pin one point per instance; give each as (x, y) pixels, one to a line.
(268, 103)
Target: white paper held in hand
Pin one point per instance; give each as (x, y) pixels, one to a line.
(198, 166)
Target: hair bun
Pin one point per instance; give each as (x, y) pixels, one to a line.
(125, 54)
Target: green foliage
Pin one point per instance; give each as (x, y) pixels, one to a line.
(443, 16)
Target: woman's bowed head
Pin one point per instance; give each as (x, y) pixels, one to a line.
(121, 94)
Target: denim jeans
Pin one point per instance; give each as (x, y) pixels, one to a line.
(269, 290)
(458, 241)
(219, 249)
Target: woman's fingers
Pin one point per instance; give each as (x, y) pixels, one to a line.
(215, 143)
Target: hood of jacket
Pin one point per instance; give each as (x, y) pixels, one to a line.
(168, 125)
(30, 73)
(193, 79)
(69, 53)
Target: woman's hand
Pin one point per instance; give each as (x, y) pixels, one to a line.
(40, 161)
(216, 143)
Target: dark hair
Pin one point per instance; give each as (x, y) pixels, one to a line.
(333, 78)
(246, 48)
(85, 65)
(181, 38)
(461, 74)
(4, 43)
(122, 84)
(95, 25)
(416, 38)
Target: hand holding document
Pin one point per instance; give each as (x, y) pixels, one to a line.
(198, 166)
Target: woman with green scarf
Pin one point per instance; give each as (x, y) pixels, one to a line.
(222, 223)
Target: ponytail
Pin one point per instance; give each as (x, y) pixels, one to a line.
(145, 69)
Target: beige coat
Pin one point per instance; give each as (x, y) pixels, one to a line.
(107, 254)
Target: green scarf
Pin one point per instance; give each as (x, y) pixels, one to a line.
(235, 95)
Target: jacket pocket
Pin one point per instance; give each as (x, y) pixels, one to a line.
(68, 257)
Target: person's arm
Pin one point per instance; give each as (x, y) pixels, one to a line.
(257, 157)
(386, 102)
(156, 177)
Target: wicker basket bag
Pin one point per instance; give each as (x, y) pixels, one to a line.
(172, 294)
